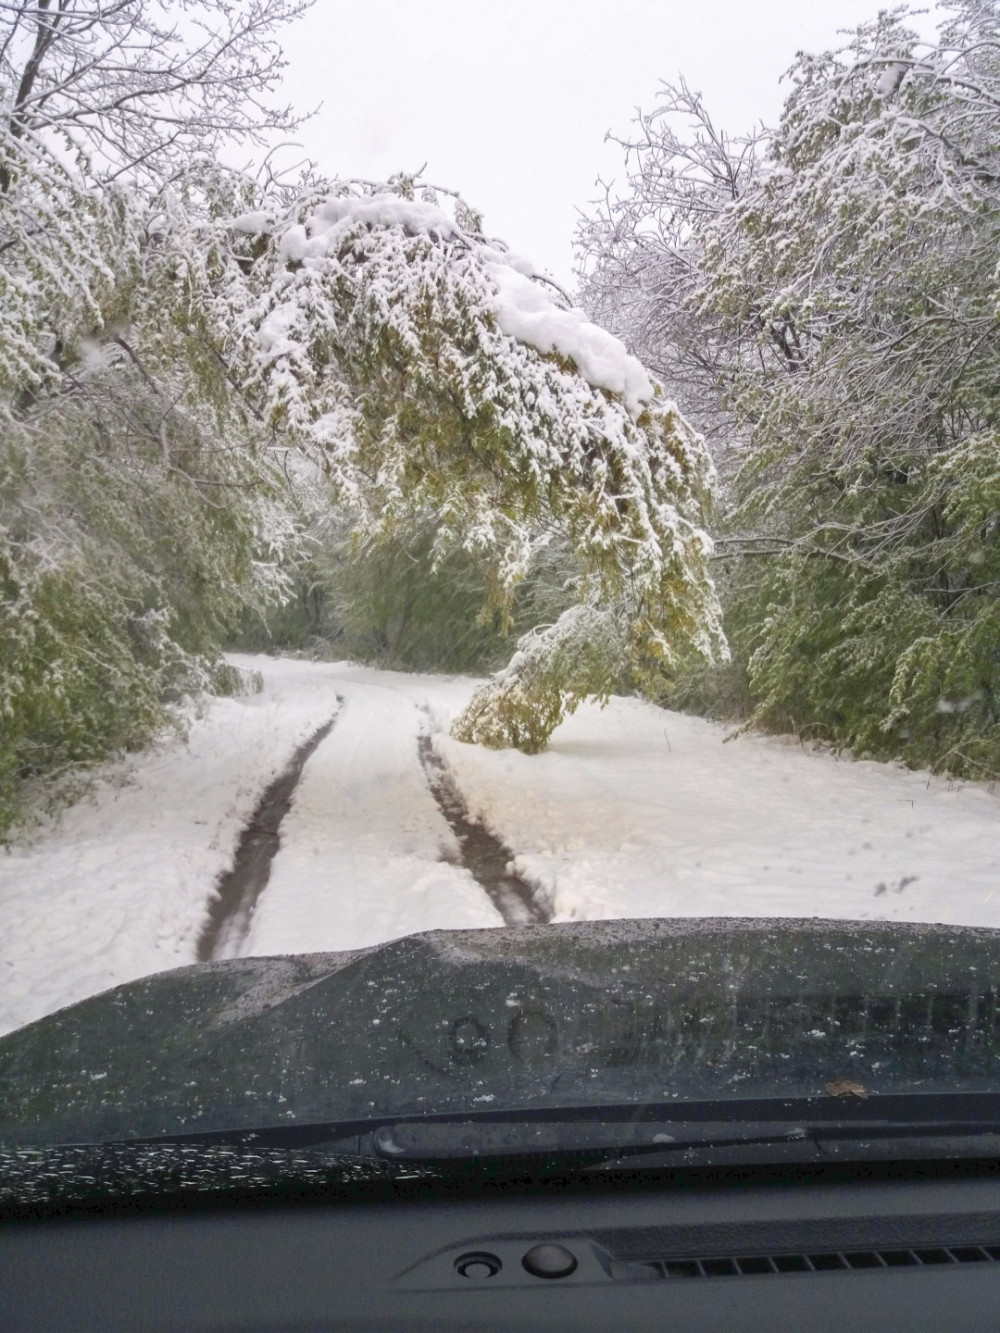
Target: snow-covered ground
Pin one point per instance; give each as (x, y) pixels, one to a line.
(362, 848)
(632, 811)
(635, 811)
(118, 887)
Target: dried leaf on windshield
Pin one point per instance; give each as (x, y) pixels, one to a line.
(843, 1087)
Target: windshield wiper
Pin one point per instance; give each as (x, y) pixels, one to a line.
(537, 1143)
(414, 1142)
(599, 1133)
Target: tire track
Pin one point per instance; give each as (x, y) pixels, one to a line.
(239, 888)
(485, 857)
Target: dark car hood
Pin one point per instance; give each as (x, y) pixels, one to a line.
(519, 1017)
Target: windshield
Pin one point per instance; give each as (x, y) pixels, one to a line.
(477, 645)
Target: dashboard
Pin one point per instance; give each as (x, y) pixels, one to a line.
(733, 1251)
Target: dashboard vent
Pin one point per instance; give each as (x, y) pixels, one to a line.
(637, 1270)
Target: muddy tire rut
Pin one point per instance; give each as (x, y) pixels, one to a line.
(481, 852)
(239, 889)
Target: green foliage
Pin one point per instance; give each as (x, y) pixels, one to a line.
(139, 517)
(180, 363)
(853, 287)
(142, 507)
(118, 584)
(388, 602)
(79, 678)
(233, 681)
(718, 689)
(393, 601)
(581, 656)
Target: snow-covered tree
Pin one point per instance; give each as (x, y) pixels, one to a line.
(175, 340)
(640, 253)
(853, 287)
(102, 93)
(433, 373)
(139, 87)
(867, 261)
(139, 497)
(141, 512)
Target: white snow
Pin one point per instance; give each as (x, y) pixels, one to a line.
(274, 331)
(527, 313)
(633, 811)
(118, 888)
(525, 309)
(891, 78)
(362, 847)
(253, 224)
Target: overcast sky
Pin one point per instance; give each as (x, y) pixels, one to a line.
(509, 101)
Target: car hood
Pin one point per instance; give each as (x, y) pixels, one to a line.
(519, 1017)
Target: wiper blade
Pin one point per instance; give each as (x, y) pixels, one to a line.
(516, 1138)
(437, 1142)
(623, 1127)
(136, 1173)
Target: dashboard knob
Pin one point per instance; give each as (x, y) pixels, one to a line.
(549, 1261)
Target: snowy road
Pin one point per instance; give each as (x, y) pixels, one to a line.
(631, 812)
(364, 848)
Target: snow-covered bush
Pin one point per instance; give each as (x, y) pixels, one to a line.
(583, 655)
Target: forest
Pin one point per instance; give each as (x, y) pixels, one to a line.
(749, 468)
